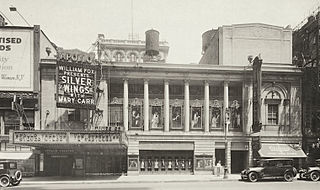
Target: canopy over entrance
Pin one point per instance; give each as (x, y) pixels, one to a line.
(15, 155)
(281, 151)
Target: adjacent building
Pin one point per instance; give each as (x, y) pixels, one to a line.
(306, 56)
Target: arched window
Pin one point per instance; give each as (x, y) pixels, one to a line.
(118, 57)
(133, 57)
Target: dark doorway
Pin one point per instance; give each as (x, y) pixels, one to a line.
(58, 165)
(239, 161)
(220, 155)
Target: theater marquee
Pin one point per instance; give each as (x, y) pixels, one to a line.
(76, 81)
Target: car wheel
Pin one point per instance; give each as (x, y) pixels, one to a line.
(288, 176)
(4, 181)
(253, 177)
(302, 176)
(15, 183)
(314, 176)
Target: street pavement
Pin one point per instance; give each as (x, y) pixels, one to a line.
(186, 185)
(128, 179)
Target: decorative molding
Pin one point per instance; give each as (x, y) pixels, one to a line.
(196, 103)
(136, 102)
(235, 104)
(156, 102)
(116, 100)
(177, 103)
(216, 104)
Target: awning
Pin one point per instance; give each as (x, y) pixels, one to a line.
(281, 151)
(15, 155)
(166, 146)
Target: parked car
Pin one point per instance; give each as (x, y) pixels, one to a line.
(270, 168)
(9, 174)
(311, 172)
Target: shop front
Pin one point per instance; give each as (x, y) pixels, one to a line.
(81, 153)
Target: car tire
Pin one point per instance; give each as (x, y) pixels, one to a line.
(302, 176)
(15, 183)
(314, 176)
(4, 181)
(288, 176)
(253, 177)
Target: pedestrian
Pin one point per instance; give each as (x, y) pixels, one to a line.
(218, 168)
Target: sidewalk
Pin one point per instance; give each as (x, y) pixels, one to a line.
(128, 179)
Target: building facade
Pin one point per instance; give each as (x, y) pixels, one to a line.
(306, 56)
(153, 117)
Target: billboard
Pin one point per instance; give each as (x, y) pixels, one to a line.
(16, 59)
(75, 83)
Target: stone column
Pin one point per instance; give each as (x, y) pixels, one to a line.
(125, 104)
(206, 106)
(225, 102)
(228, 156)
(186, 106)
(146, 105)
(250, 104)
(250, 155)
(103, 102)
(166, 106)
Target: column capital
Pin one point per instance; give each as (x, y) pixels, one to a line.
(206, 82)
(186, 81)
(125, 79)
(226, 82)
(146, 80)
(166, 80)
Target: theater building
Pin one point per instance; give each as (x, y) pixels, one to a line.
(154, 117)
(174, 114)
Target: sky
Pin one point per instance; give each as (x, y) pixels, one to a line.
(76, 23)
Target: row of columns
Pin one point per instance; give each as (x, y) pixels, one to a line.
(167, 105)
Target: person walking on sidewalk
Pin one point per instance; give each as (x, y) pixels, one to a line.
(218, 168)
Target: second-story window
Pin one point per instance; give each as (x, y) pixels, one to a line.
(133, 57)
(273, 113)
(118, 57)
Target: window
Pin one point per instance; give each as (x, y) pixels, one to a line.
(118, 57)
(273, 113)
(133, 57)
(74, 115)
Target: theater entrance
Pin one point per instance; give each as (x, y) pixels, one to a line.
(166, 162)
(58, 165)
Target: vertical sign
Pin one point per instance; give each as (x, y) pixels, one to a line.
(76, 81)
(257, 62)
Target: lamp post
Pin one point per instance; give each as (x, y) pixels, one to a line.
(226, 123)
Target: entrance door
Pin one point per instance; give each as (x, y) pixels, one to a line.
(58, 165)
(238, 161)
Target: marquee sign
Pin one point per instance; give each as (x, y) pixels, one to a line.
(16, 60)
(75, 81)
(50, 137)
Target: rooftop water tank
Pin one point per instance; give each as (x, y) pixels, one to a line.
(152, 42)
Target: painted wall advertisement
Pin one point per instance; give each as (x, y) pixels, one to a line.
(16, 60)
(76, 83)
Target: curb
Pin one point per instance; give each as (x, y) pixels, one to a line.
(124, 181)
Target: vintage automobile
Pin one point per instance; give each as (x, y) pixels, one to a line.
(9, 174)
(311, 172)
(270, 168)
